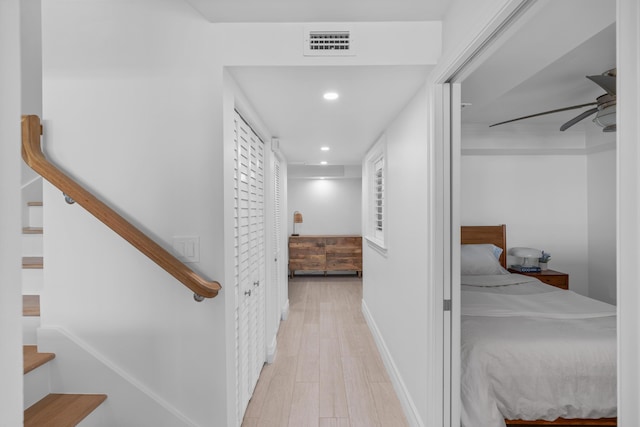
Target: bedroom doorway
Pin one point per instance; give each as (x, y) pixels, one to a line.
(473, 161)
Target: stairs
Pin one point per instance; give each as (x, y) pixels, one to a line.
(44, 408)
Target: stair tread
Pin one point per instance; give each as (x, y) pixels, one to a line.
(33, 359)
(62, 410)
(34, 204)
(31, 305)
(32, 230)
(32, 262)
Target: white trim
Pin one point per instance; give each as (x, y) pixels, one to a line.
(376, 245)
(376, 153)
(455, 64)
(31, 181)
(409, 407)
(537, 151)
(628, 230)
(272, 351)
(284, 315)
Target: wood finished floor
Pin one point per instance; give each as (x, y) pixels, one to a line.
(328, 372)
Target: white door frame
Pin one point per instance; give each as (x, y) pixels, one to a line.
(447, 194)
(628, 227)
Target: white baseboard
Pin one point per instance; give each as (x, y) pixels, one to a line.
(79, 368)
(272, 350)
(410, 410)
(285, 311)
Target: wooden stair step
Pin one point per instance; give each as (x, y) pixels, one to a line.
(32, 359)
(32, 230)
(62, 410)
(32, 262)
(31, 305)
(34, 204)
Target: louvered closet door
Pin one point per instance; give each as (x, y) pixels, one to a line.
(249, 260)
(277, 218)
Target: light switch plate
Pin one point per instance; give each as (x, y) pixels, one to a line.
(187, 248)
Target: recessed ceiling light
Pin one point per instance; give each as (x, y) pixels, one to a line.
(323, 162)
(331, 96)
(325, 148)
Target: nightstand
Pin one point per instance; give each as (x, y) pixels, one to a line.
(550, 277)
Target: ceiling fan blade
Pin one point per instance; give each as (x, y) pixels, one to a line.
(577, 119)
(546, 112)
(608, 83)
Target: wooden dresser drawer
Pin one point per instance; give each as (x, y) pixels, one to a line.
(550, 277)
(557, 281)
(325, 253)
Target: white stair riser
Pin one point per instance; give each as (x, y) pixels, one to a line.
(37, 384)
(32, 244)
(32, 281)
(30, 325)
(98, 418)
(34, 216)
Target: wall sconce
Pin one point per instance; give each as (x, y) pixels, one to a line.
(528, 255)
(297, 219)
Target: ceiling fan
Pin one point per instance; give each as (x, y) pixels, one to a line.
(605, 109)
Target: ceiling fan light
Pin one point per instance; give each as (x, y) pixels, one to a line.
(606, 117)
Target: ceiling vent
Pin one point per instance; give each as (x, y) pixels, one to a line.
(328, 43)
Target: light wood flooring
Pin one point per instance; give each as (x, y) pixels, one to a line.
(328, 372)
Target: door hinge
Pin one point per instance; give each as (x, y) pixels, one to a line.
(447, 305)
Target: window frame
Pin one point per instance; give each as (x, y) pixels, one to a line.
(375, 212)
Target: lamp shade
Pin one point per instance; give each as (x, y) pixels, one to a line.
(297, 219)
(525, 252)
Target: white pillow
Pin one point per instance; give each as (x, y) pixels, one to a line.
(481, 259)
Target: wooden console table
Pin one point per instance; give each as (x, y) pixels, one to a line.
(325, 253)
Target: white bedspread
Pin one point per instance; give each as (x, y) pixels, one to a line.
(539, 356)
(559, 304)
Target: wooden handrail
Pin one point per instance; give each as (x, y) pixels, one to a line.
(34, 157)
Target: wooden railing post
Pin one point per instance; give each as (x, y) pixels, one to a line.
(34, 157)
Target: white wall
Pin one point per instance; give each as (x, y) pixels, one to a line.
(574, 220)
(396, 285)
(125, 81)
(543, 201)
(129, 111)
(10, 292)
(328, 206)
(601, 188)
(601, 176)
(31, 63)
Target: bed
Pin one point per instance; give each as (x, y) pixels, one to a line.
(531, 354)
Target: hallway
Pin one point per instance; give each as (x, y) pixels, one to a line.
(328, 371)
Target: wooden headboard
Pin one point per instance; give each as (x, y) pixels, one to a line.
(495, 234)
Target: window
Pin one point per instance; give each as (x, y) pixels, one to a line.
(375, 181)
(378, 199)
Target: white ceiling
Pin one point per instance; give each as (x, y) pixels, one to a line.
(320, 11)
(290, 103)
(543, 64)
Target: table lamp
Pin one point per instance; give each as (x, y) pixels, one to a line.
(297, 219)
(528, 255)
